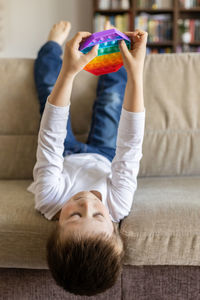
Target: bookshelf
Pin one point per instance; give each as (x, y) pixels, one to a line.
(173, 26)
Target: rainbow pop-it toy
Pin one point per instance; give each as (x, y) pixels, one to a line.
(109, 58)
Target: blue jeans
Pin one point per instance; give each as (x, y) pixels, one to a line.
(106, 109)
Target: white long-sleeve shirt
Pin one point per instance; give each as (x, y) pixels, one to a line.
(58, 178)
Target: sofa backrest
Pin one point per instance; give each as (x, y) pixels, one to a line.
(172, 100)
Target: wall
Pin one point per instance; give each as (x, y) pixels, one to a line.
(25, 24)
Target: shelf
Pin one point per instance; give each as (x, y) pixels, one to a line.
(166, 43)
(197, 43)
(163, 10)
(189, 10)
(175, 13)
(111, 11)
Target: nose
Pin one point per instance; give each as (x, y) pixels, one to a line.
(87, 207)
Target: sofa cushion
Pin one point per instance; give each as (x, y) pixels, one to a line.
(171, 95)
(163, 226)
(20, 117)
(172, 132)
(23, 230)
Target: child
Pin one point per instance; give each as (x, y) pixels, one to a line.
(87, 187)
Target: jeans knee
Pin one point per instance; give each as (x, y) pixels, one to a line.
(114, 99)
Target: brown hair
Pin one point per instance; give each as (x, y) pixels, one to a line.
(85, 265)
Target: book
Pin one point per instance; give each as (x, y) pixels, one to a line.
(121, 21)
(155, 4)
(103, 4)
(159, 27)
(124, 4)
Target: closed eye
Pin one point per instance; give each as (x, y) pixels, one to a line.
(96, 214)
(77, 213)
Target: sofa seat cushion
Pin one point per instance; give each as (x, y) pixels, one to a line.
(23, 230)
(163, 226)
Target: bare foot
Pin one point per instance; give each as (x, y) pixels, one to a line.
(59, 32)
(108, 25)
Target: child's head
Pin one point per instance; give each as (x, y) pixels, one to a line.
(85, 250)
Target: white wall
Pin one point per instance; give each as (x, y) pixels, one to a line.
(25, 24)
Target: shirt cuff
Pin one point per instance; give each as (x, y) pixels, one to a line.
(54, 117)
(56, 108)
(129, 115)
(131, 123)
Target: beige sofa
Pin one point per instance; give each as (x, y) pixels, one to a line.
(161, 234)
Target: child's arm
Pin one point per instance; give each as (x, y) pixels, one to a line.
(73, 62)
(134, 63)
(49, 184)
(125, 165)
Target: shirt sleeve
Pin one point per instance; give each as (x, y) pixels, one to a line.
(49, 182)
(125, 165)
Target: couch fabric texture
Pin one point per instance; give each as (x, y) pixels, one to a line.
(136, 282)
(163, 225)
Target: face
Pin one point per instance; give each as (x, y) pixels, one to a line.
(85, 212)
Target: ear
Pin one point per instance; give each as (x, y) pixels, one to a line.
(97, 194)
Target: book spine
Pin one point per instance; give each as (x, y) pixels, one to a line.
(114, 4)
(124, 4)
(191, 30)
(103, 4)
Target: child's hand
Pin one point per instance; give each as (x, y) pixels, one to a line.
(74, 60)
(133, 59)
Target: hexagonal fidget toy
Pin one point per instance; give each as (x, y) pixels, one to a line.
(109, 58)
